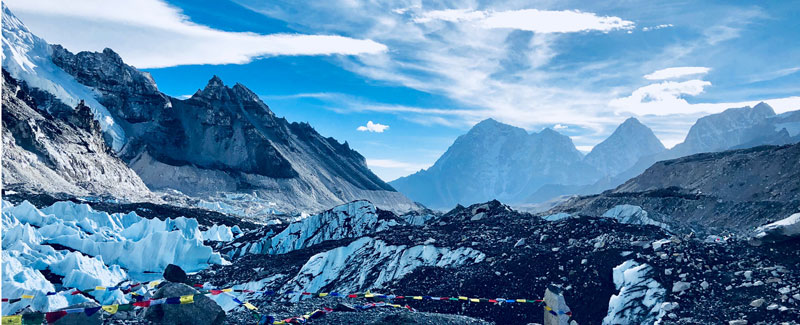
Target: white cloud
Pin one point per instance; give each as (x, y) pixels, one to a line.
(662, 98)
(646, 29)
(451, 15)
(677, 72)
(559, 127)
(153, 34)
(547, 21)
(539, 21)
(389, 163)
(373, 127)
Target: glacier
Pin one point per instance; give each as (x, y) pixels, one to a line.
(101, 249)
(369, 263)
(349, 220)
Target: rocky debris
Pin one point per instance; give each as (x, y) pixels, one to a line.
(578, 254)
(203, 311)
(80, 318)
(749, 187)
(174, 273)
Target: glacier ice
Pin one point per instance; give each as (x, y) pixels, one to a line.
(106, 248)
(349, 220)
(632, 214)
(369, 263)
(640, 297)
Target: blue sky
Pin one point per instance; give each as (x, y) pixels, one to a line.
(400, 80)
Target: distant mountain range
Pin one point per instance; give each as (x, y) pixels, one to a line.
(221, 140)
(495, 161)
(498, 161)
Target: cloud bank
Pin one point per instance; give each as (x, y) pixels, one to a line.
(153, 34)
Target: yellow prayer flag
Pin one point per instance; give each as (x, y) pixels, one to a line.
(417, 297)
(99, 288)
(323, 294)
(521, 300)
(12, 320)
(111, 309)
(474, 300)
(462, 298)
(227, 290)
(368, 295)
(547, 308)
(26, 297)
(187, 299)
(153, 284)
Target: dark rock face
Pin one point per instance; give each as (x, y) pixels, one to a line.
(133, 93)
(174, 273)
(725, 191)
(60, 153)
(225, 139)
(203, 311)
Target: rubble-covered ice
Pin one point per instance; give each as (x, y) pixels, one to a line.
(779, 230)
(349, 220)
(632, 214)
(369, 263)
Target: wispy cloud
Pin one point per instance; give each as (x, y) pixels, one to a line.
(153, 34)
(677, 72)
(657, 27)
(534, 20)
(373, 127)
(389, 163)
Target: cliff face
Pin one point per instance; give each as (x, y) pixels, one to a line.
(225, 139)
(61, 151)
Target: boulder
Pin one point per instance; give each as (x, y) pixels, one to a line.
(174, 273)
(203, 311)
(80, 318)
(555, 300)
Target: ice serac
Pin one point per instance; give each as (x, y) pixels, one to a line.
(640, 297)
(27, 57)
(59, 149)
(225, 139)
(631, 141)
(349, 220)
(495, 161)
(368, 263)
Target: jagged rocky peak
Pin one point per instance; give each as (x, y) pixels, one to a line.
(128, 93)
(217, 92)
